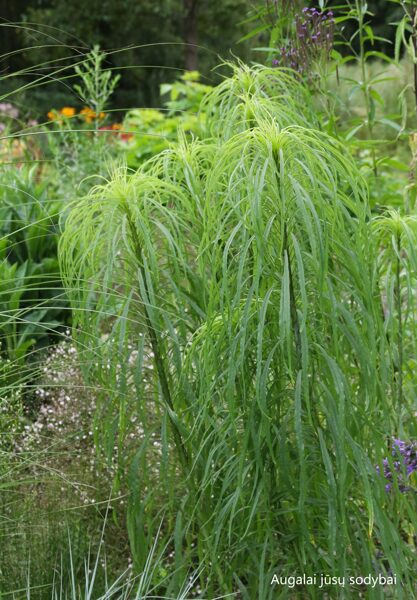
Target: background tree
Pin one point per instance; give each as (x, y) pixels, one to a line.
(150, 42)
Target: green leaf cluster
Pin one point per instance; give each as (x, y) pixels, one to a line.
(229, 296)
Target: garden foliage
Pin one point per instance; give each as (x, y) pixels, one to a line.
(232, 288)
(233, 276)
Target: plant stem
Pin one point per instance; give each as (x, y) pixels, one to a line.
(360, 10)
(293, 305)
(414, 39)
(155, 344)
(400, 324)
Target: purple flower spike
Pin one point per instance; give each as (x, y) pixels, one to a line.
(312, 42)
(407, 453)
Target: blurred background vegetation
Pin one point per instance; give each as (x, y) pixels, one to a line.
(152, 45)
(160, 38)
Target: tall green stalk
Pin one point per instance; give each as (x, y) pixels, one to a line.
(399, 318)
(361, 11)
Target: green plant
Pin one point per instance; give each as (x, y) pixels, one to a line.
(32, 300)
(408, 24)
(398, 267)
(345, 74)
(361, 45)
(11, 408)
(96, 582)
(97, 84)
(228, 293)
(150, 131)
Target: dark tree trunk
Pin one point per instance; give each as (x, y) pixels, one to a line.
(191, 34)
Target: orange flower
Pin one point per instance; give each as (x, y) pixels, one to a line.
(67, 111)
(118, 129)
(52, 115)
(89, 114)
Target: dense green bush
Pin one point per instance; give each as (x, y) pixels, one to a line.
(237, 284)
